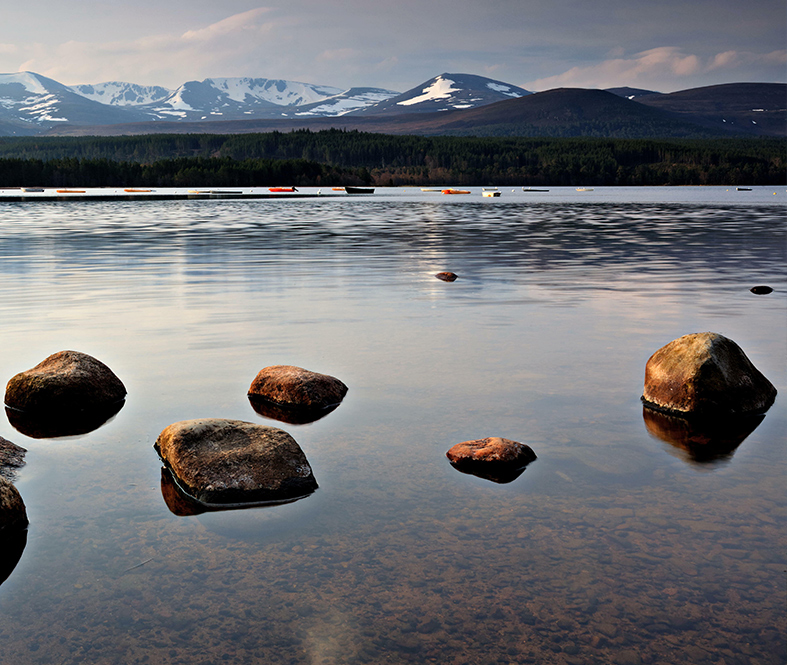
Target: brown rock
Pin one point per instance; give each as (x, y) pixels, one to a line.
(297, 388)
(11, 458)
(493, 458)
(12, 509)
(705, 374)
(761, 290)
(65, 382)
(447, 276)
(234, 462)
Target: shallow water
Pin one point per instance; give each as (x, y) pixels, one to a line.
(614, 546)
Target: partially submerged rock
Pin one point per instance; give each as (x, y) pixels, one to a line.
(12, 457)
(705, 374)
(12, 509)
(446, 276)
(761, 290)
(219, 461)
(296, 389)
(65, 382)
(494, 458)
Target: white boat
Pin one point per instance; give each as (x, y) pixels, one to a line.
(490, 193)
(584, 189)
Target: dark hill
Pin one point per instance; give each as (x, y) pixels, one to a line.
(569, 112)
(753, 108)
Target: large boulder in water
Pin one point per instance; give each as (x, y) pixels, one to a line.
(220, 461)
(65, 382)
(12, 509)
(705, 374)
(304, 394)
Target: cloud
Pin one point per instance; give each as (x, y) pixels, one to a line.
(666, 67)
(213, 50)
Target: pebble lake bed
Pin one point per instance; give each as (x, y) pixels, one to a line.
(628, 539)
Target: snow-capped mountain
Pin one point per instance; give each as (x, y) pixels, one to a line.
(31, 103)
(447, 92)
(237, 98)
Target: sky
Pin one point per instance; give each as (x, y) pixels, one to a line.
(666, 46)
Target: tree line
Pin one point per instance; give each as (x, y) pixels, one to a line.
(336, 157)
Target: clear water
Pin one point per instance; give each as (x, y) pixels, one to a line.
(614, 546)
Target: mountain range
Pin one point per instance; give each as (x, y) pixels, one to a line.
(463, 104)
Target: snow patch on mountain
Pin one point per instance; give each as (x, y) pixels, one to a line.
(275, 91)
(440, 89)
(118, 93)
(504, 89)
(29, 82)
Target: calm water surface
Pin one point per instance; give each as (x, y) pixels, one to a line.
(614, 546)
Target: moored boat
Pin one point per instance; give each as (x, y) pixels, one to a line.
(490, 193)
(130, 189)
(70, 191)
(359, 190)
(533, 189)
(456, 191)
(584, 189)
(282, 189)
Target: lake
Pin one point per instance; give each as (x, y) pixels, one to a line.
(617, 545)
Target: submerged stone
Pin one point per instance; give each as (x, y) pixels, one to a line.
(447, 276)
(761, 290)
(219, 461)
(705, 374)
(494, 458)
(296, 388)
(65, 382)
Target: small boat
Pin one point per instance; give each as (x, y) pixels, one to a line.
(490, 193)
(28, 190)
(584, 189)
(137, 190)
(337, 189)
(359, 190)
(282, 189)
(70, 191)
(456, 191)
(743, 189)
(532, 189)
(428, 189)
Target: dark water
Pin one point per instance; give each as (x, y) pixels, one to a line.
(614, 546)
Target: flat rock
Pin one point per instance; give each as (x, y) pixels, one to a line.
(219, 461)
(12, 509)
(297, 388)
(65, 382)
(705, 374)
(446, 276)
(493, 458)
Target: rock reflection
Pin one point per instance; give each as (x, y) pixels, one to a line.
(287, 414)
(700, 441)
(12, 545)
(184, 505)
(497, 473)
(55, 423)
